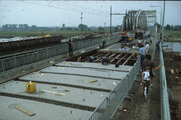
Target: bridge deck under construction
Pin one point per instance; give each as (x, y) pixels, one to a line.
(84, 85)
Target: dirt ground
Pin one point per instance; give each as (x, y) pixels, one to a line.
(173, 82)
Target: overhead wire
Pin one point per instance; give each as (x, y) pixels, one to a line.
(98, 12)
(85, 8)
(74, 9)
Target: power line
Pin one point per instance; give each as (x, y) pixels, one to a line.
(93, 13)
(85, 8)
(73, 9)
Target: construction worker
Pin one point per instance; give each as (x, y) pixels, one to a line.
(90, 59)
(70, 44)
(104, 41)
(105, 60)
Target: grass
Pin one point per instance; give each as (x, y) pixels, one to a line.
(52, 33)
(174, 34)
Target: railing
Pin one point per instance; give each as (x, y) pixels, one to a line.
(106, 111)
(110, 104)
(41, 54)
(165, 109)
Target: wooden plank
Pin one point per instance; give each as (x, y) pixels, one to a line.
(24, 110)
(167, 49)
(133, 54)
(176, 86)
(176, 70)
(53, 92)
(93, 81)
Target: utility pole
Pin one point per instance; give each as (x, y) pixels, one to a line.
(110, 19)
(163, 21)
(81, 25)
(105, 26)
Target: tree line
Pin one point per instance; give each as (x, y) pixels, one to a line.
(170, 27)
(22, 27)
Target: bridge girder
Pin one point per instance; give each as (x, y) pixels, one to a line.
(138, 18)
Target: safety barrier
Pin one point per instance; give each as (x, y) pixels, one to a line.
(165, 109)
(110, 104)
(45, 53)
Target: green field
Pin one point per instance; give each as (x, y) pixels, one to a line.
(52, 33)
(173, 34)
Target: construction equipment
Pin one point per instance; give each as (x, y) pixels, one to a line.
(31, 86)
(138, 33)
(124, 38)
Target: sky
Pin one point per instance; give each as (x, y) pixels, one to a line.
(95, 13)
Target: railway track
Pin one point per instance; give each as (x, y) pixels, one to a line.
(12, 47)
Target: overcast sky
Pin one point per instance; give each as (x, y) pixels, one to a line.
(95, 13)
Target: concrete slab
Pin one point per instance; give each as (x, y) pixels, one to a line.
(80, 81)
(75, 96)
(114, 75)
(117, 48)
(43, 111)
(94, 66)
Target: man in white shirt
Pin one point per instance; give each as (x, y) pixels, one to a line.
(146, 47)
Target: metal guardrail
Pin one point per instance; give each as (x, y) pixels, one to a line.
(110, 104)
(165, 109)
(32, 57)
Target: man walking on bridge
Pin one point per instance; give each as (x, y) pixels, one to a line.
(146, 47)
(157, 46)
(104, 41)
(70, 44)
(142, 52)
(149, 63)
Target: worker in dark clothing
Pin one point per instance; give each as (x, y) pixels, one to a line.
(151, 65)
(70, 44)
(90, 59)
(105, 60)
(157, 46)
(104, 39)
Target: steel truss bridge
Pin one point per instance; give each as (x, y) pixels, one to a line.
(137, 18)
